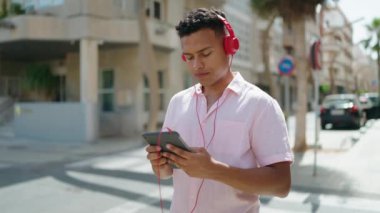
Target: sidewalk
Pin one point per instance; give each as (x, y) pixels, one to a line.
(25, 151)
(113, 174)
(354, 172)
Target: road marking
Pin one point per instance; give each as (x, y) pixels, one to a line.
(323, 201)
(142, 202)
(5, 165)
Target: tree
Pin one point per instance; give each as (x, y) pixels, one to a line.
(331, 70)
(4, 9)
(39, 82)
(372, 43)
(295, 13)
(265, 45)
(7, 7)
(148, 66)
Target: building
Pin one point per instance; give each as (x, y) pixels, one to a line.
(364, 68)
(337, 47)
(90, 50)
(91, 47)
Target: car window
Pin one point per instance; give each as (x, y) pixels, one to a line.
(344, 102)
(374, 100)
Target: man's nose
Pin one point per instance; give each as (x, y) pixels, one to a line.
(197, 63)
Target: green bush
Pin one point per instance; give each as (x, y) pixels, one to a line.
(16, 9)
(39, 78)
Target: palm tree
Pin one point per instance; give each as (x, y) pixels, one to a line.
(3, 8)
(265, 45)
(332, 71)
(295, 13)
(148, 66)
(372, 43)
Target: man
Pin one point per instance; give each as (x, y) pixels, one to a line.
(237, 132)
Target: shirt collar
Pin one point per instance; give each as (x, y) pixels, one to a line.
(236, 85)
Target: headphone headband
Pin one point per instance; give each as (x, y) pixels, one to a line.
(230, 41)
(227, 25)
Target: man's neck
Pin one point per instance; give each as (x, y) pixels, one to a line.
(212, 93)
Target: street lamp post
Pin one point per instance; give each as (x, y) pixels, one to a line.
(315, 54)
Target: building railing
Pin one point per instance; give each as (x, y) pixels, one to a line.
(10, 86)
(38, 4)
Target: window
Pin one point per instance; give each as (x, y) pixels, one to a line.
(107, 92)
(239, 22)
(161, 91)
(155, 9)
(61, 93)
(39, 4)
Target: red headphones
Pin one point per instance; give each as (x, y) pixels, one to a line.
(230, 41)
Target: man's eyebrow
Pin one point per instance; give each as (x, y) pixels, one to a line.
(206, 48)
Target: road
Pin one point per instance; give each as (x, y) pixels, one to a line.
(122, 181)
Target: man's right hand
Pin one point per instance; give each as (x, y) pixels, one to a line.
(157, 160)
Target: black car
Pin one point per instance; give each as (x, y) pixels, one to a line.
(371, 100)
(342, 110)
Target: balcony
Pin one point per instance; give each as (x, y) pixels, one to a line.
(112, 22)
(50, 28)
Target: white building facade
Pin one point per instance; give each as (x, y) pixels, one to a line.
(91, 50)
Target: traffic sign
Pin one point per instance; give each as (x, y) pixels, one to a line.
(286, 65)
(315, 55)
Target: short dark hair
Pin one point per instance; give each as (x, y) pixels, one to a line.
(201, 18)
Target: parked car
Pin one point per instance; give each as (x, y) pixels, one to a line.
(342, 110)
(372, 104)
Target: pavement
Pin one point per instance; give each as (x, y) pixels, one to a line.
(352, 171)
(346, 178)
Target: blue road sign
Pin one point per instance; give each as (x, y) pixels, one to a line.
(286, 66)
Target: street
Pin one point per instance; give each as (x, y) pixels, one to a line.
(44, 179)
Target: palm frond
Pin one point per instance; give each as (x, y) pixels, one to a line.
(369, 28)
(376, 47)
(264, 9)
(375, 23)
(366, 42)
(294, 9)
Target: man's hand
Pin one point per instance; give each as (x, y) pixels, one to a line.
(198, 163)
(158, 161)
(272, 179)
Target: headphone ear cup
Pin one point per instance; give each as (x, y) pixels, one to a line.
(231, 45)
(235, 45)
(183, 58)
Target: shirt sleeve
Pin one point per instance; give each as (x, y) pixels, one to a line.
(269, 135)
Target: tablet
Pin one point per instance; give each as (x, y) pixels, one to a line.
(166, 138)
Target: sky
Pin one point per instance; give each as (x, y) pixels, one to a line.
(356, 9)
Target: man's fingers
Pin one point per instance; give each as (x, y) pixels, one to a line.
(154, 156)
(159, 162)
(163, 161)
(173, 158)
(153, 148)
(178, 151)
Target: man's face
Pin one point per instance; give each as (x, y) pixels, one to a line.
(205, 56)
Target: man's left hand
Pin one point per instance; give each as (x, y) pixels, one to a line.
(198, 163)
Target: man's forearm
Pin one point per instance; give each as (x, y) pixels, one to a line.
(272, 180)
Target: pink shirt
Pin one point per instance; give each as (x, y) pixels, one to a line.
(250, 132)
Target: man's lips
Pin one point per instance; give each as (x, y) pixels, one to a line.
(201, 74)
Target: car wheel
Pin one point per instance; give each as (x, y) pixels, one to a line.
(323, 125)
(357, 124)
